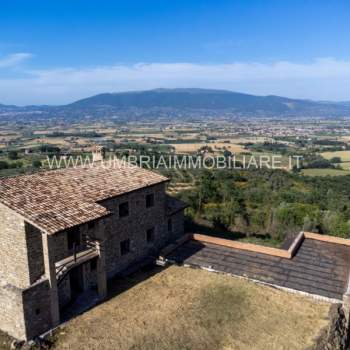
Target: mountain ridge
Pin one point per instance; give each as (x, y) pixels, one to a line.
(185, 101)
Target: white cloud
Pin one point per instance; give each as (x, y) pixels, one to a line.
(14, 59)
(325, 78)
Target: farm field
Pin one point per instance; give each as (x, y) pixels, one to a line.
(344, 155)
(194, 309)
(325, 172)
(216, 146)
(345, 165)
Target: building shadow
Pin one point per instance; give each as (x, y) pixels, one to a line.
(185, 251)
(129, 279)
(116, 285)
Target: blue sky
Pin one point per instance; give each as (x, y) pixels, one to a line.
(58, 51)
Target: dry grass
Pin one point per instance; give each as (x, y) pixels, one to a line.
(344, 138)
(343, 155)
(216, 146)
(181, 308)
(5, 341)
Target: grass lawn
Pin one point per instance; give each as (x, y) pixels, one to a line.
(182, 308)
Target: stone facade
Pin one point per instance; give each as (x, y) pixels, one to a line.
(23, 286)
(11, 315)
(14, 267)
(36, 309)
(133, 227)
(32, 292)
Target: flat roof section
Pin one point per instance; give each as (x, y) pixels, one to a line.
(319, 268)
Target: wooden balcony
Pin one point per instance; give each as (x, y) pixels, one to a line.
(78, 255)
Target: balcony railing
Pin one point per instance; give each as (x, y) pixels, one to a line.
(78, 255)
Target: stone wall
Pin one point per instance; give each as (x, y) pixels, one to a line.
(21, 256)
(36, 306)
(89, 274)
(60, 246)
(11, 315)
(335, 335)
(64, 293)
(34, 252)
(28, 306)
(134, 227)
(177, 220)
(25, 313)
(13, 249)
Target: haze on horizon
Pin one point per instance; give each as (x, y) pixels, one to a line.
(58, 52)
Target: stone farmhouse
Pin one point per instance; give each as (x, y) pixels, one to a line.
(65, 231)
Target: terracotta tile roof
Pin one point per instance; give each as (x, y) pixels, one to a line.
(59, 199)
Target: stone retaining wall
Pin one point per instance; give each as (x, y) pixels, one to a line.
(335, 335)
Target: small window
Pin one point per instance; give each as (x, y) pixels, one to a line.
(91, 225)
(123, 209)
(93, 264)
(37, 311)
(170, 225)
(150, 235)
(149, 200)
(125, 247)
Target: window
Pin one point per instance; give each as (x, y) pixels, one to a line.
(123, 209)
(125, 247)
(93, 264)
(150, 235)
(91, 225)
(73, 237)
(149, 200)
(170, 225)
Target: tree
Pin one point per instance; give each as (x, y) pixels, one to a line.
(13, 155)
(207, 190)
(335, 160)
(15, 165)
(3, 165)
(36, 163)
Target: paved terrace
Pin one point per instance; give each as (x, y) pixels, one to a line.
(319, 268)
